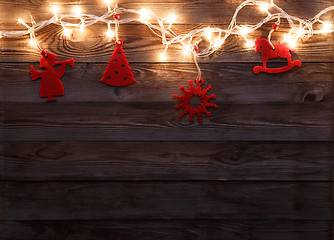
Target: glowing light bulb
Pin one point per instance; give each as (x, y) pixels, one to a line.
(163, 56)
(108, 2)
(55, 10)
(264, 6)
(145, 14)
(327, 27)
(187, 50)
(208, 34)
(67, 32)
(218, 43)
(172, 18)
(32, 42)
(300, 31)
(77, 11)
(23, 23)
(110, 34)
(292, 43)
(244, 30)
(249, 44)
(82, 28)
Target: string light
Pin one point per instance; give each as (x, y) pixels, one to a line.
(55, 10)
(77, 12)
(244, 30)
(327, 27)
(23, 23)
(168, 37)
(145, 14)
(110, 33)
(249, 44)
(67, 32)
(208, 34)
(264, 7)
(171, 19)
(108, 2)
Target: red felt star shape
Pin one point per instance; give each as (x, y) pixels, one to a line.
(188, 94)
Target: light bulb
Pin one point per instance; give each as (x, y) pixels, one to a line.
(77, 11)
(55, 9)
(327, 27)
(67, 32)
(172, 18)
(186, 50)
(264, 6)
(208, 33)
(32, 42)
(244, 30)
(145, 14)
(249, 44)
(291, 42)
(300, 31)
(218, 43)
(110, 34)
(23, 23)
(163, 56)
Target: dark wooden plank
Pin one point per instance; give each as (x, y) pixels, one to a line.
(140, 45)
(165, 200)
(167, 230)
(231, 83)
(159, 122)
(247, 161)
(209, 11)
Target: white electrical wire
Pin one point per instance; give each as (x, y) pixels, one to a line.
(162, 26)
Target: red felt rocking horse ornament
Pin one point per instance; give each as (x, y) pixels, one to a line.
(270, 51)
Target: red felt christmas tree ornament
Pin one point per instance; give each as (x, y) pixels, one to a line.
(51, 84)
(270, 51)
(118, 72)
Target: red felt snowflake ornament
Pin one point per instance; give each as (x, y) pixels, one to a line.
(188, 94)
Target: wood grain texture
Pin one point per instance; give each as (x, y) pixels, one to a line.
(159, 122)
(116, 163)
(192, 11)
(96, 161)
(167, 230)
(165, 200)
(231, 83)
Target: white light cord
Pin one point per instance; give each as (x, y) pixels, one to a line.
(162, 26)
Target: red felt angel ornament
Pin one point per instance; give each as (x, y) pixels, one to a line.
(51, 85)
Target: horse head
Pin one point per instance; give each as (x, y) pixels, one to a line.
(257, 45)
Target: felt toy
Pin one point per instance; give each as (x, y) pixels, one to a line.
(269, 51)
(188, 94)
(118, 72)
(51, 84)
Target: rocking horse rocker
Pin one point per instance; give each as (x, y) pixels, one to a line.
(270, 51)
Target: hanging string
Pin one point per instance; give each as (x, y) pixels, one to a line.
(116, 17)
(195, 50)
(274, 28)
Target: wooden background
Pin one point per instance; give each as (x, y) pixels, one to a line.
(116, 163)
